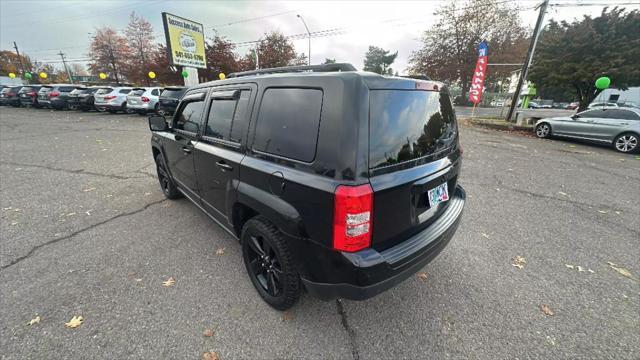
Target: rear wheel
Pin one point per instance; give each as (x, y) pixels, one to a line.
(269, 265)
(543, 130)
(169, 189)
(626, 143)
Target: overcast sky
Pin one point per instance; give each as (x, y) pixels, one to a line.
(43, 28)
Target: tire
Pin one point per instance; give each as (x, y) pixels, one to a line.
(167, 186)
(628, 143)
(543, 130)
(269, 266)
(156, 109)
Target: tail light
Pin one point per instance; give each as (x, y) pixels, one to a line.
(54, 94)
(145, 99)
(11, 94)
(352, 214)
(32, 93)
(110, 97)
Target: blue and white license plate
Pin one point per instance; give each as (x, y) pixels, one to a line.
(438, 195)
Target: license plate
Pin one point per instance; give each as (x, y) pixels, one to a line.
(438, 194)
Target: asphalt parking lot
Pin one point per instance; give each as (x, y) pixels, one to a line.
(86, 231)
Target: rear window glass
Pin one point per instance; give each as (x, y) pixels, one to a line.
(66, 88)
(26, 88)
(124, 91)
(407, 125)
(104, 91)
(136, 92)
(173, 93)
(288, 123)
(45, 89)
(80, 91)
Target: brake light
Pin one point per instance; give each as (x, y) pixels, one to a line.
(32, 93)
(10, 94)
(110, 97)
(54, 94)
(352, 214)
(145, 99)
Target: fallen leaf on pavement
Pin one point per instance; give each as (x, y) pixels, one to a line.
(602, 211)
(71, 214)
(618, 212)
(147, 194)
(423, 276)
(208, 333)
(546, 310)
(220, 251)
(287, 315)
(572, 146)
(563, 193)
(89, 189)
(35, 320)
(622, 271)
(519, 262)
(569, 266)
(74, 322)
(169, 282)
(210, 355)
(14, 223)
(485, 236)
(580, 269)
(166, 205)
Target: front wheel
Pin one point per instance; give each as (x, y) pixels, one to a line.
(626, 143)
(543, 131)
(169, 189)
(269, 265)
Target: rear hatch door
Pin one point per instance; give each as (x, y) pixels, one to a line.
(413, 167)
(100, 94)
(135, 97)
(43, 93)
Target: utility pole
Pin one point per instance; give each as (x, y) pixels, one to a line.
(15, 46)
(255, 51)
(309, 34)
(525, 67)
(65, 66)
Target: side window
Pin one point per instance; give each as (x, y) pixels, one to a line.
(188, 119)
(288, 123)
(624, 114)
(227, 117)
(591, 114)
(155, 92)
(125, 91)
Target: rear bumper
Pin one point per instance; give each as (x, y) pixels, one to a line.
(144, 106)
(369, 272)
(108, 106)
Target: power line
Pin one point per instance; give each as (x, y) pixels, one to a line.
(593, 4)
(242, 21)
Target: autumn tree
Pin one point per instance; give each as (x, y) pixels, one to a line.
(449, 48)
(221, 58)
(329, 61)
(276, 50)
(379, 60)
(166, 74)
(78, 70)
(571, 56)
(9, 62)
(109, 53)
(140, 40)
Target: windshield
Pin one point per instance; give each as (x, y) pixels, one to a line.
(407, 125)
(136, 92)
(173, 93)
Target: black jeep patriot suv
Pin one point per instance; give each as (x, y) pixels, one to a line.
(339, 182)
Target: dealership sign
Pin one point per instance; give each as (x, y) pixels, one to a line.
(185, 41)
(477, 83)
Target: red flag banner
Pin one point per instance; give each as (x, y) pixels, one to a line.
(477, 82)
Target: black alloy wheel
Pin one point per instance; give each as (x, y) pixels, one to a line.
(269, 264)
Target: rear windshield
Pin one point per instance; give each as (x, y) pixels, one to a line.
(80, 91)
(45, 89)
(124, 91)
(104, 91)
(137, 92)
(173, 93)
(26, 88)
(407, 125)
(66, 88)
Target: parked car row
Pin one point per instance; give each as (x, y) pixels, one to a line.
(101, 98)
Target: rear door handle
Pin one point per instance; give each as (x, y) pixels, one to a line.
(224, 166)
(186, 150)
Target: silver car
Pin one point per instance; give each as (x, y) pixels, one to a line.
(143, 100)
(111, 99)
(619, 127)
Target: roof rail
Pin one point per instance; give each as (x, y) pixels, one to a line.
(302, 68)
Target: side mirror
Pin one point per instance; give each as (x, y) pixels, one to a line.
(158, 123)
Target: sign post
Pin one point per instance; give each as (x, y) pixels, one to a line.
(185, 46)
(477, 82)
